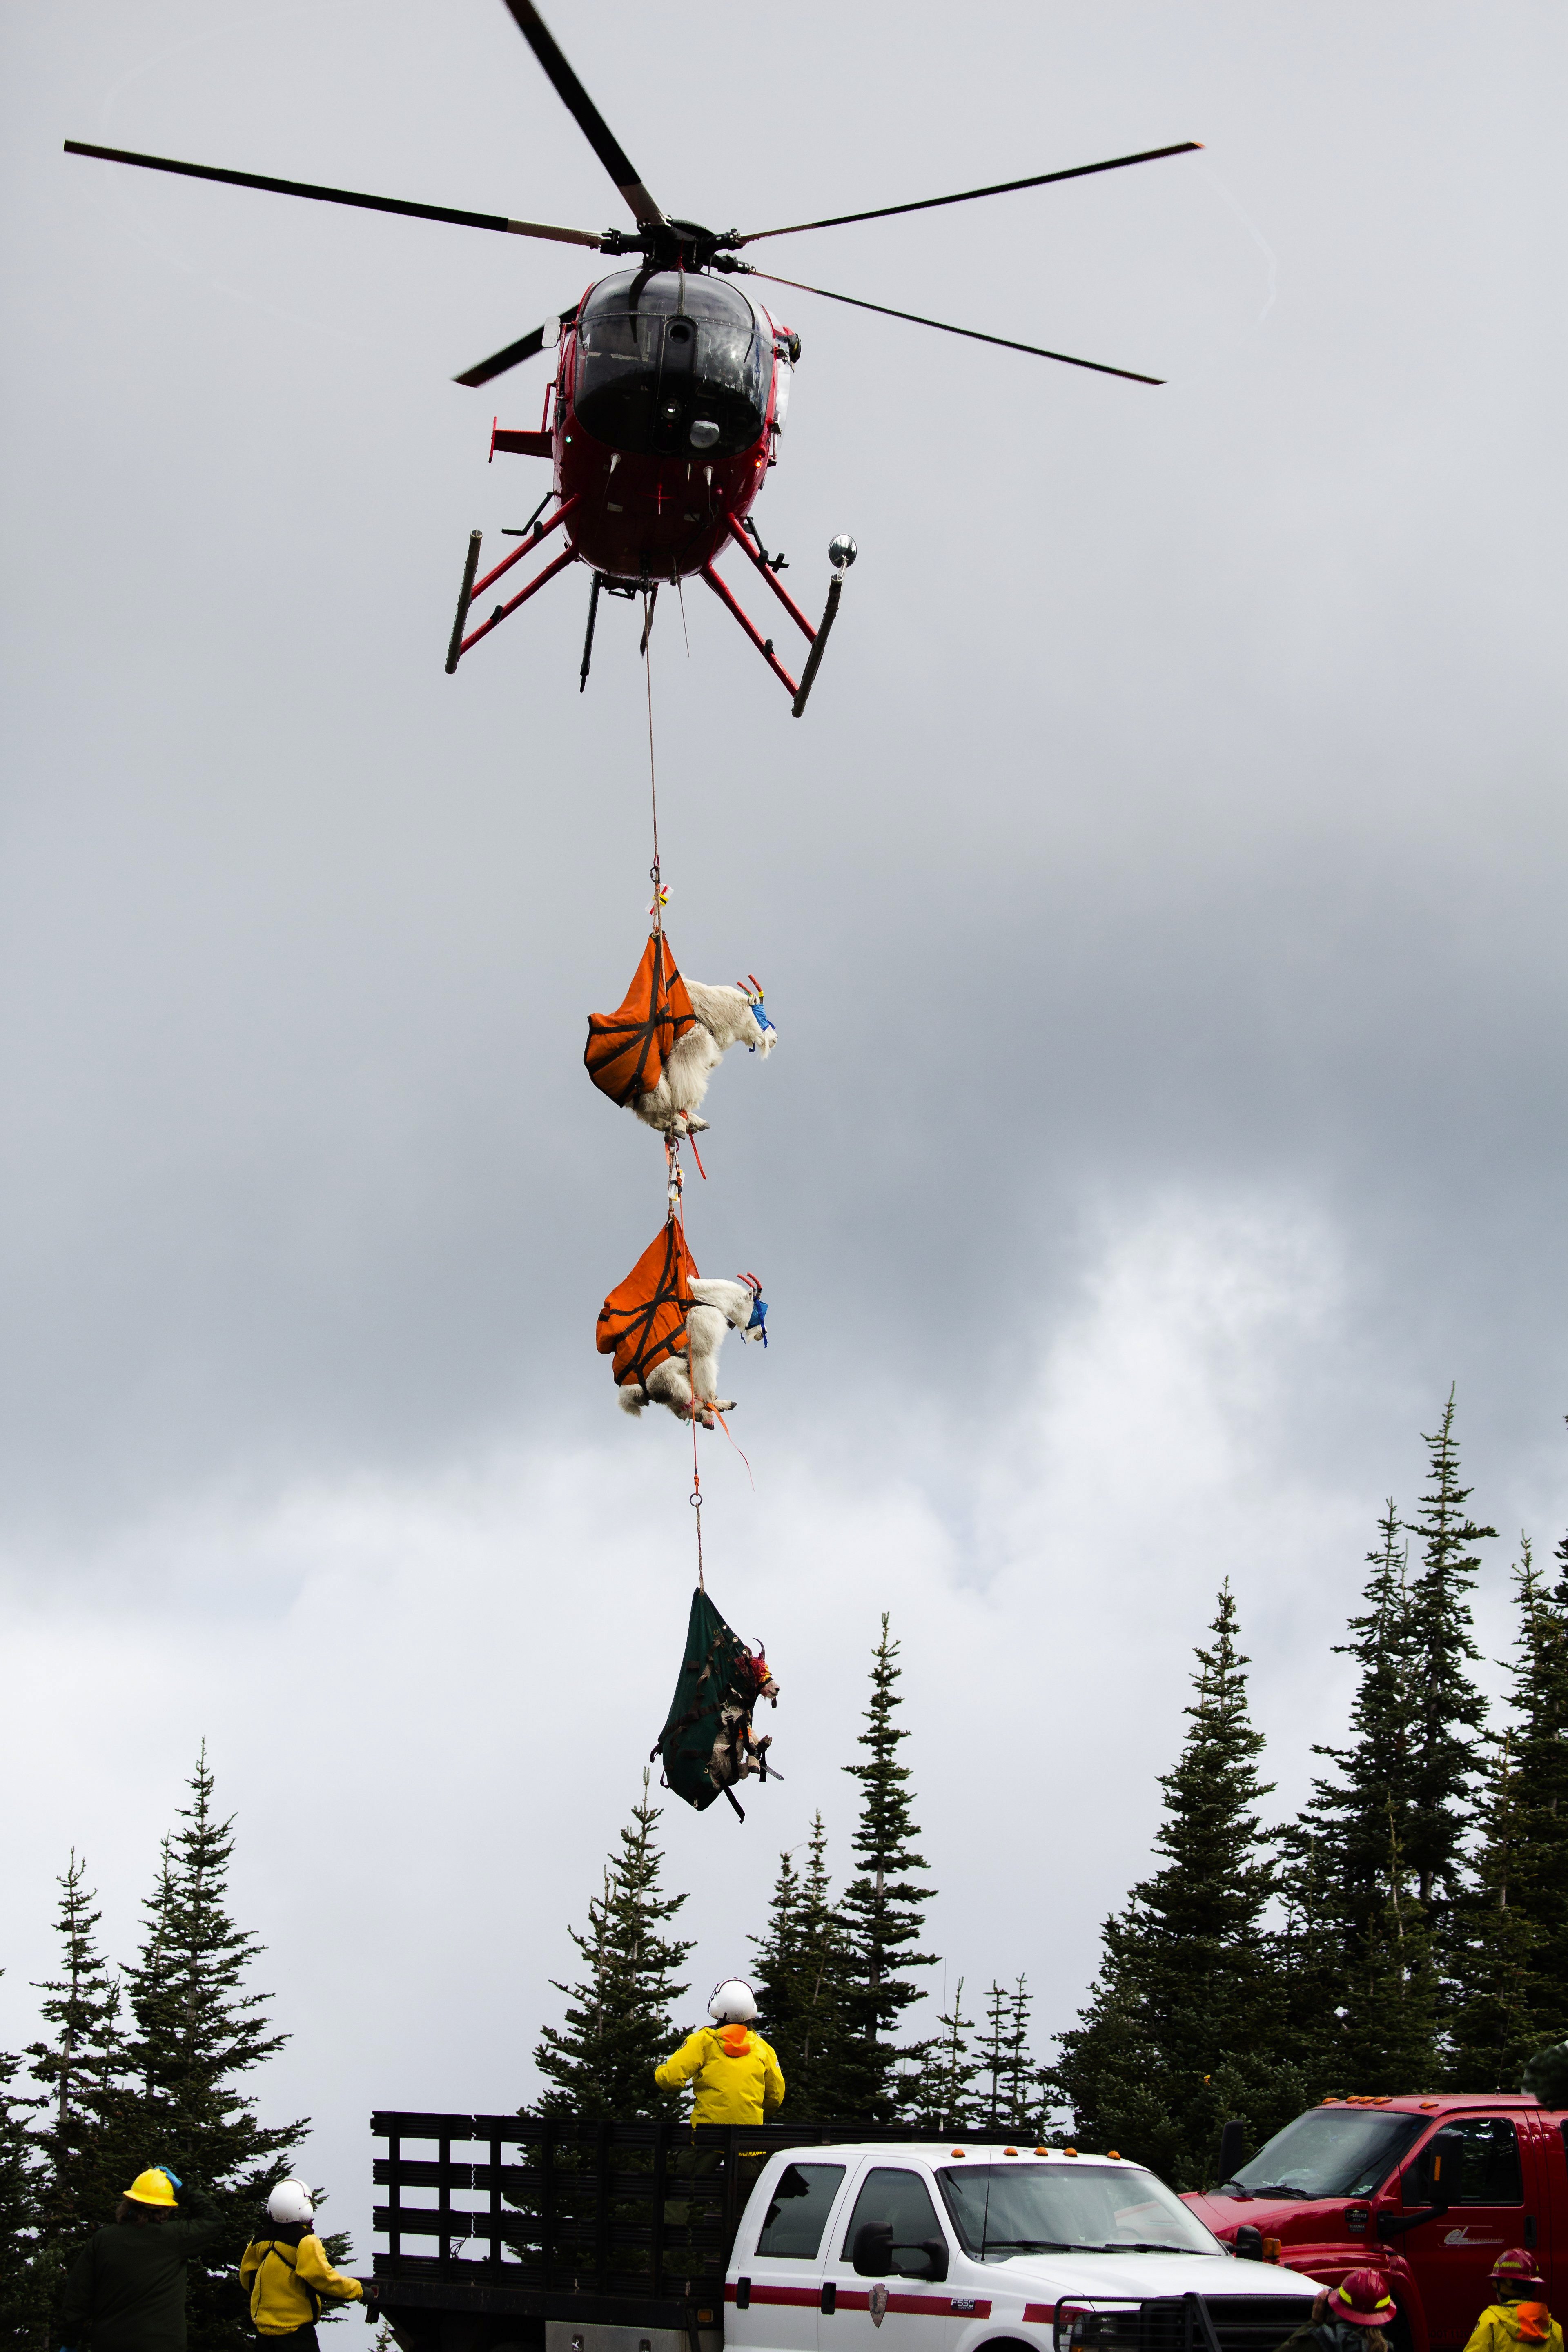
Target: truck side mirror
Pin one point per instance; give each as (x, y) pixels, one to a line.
(873, 2255)
(1249, 2244)
(935, 2251)
(1232, 2149)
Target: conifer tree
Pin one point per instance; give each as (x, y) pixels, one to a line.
(1354, 1958)
(883, 1906)
(1019, 2073)
(618, 2024)
(943, 2099)
(1004, 2065)
(1179, 2032)
(1513, 1957)
(87, 2132)
(1450, 1710)
(26, 2278)
(1541, 1700)
(800, 1985)
(194, 2029)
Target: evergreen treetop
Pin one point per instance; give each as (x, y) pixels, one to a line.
(943, 2099)
(1005, 2102)
(1512, 1962)
(1179, 2032)
(83, 2130)
(800, 1985)
(618, 2026)
(25, 2274)
(1355, 1952)
(883, 1906)
(1450, 1710)
(194, 2029)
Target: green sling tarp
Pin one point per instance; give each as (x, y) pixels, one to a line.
(718, 1670)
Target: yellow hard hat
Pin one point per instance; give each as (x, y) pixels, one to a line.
(152, 2188)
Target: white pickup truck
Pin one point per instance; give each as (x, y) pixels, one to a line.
(544, 2233)
(911, 2248)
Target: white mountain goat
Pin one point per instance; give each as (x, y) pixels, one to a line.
(717, 1306)
(725, 1016)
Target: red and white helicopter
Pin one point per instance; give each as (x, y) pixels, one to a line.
(670, 388)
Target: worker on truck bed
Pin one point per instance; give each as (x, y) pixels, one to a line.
(1353, 2316)
(1516, 2320)
(737, 2077)
(288, 2272)
(126, 2291)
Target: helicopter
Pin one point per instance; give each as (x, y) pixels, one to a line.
(670, 389)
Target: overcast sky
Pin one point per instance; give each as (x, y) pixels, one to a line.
(1161, 906)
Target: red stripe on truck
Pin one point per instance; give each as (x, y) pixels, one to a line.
(1042, 2313)
(927, 2307)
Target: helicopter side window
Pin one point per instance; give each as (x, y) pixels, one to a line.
(672, 364)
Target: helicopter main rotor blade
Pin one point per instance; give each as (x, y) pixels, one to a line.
(967, 195)
(340, 195)
(1035, 351)
(528, 348)
(586, 114)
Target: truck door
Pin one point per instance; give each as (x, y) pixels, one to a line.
(917, 2308)
(1483, 2179)
(778, 2284)
(1552, 2222)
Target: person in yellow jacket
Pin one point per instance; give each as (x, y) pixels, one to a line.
(288, 2273)
(1518, 2321)
(737, 2077)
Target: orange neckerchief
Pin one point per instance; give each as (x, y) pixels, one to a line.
(735, 2041)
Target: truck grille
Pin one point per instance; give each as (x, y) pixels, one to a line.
(1175, 2323)
(1243, 2322)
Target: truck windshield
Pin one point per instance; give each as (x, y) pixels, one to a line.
(1002, 2210)
(1330, 2152)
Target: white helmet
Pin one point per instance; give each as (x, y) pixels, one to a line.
(290, 2201)
(734, 2002)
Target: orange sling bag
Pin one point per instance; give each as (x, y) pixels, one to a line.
(628, 1049)
(644, 1319)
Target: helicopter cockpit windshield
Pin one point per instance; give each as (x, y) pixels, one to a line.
(672, 363)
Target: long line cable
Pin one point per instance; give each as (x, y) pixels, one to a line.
(677, 1207)
(652, 774)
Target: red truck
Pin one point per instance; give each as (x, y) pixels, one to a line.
(1429, 2190)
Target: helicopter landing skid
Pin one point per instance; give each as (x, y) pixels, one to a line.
(816, 638)
(473, 588)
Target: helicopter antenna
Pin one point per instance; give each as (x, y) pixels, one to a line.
(644, 211)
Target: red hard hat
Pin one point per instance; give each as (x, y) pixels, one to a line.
(1520, 2263)
(1363, 2298)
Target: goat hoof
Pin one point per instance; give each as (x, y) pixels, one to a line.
(694, 1126)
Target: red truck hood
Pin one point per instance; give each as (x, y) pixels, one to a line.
(1306, 2227)
(1224, 2215)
